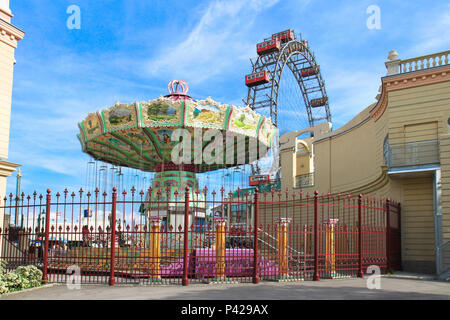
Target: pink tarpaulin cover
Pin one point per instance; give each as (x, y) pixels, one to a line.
(238, 263)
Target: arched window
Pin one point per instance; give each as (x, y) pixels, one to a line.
(386, 150)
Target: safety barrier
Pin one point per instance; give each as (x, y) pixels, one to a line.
(298, 237)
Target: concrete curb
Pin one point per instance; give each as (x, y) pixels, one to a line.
(411, 276)
(30, 289)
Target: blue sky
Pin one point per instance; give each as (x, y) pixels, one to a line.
(129, 50)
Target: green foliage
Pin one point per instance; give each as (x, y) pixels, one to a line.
(2, 266)
(114, 120)
(161, 117)
(159, 111)
(158, 108)
(23, 277)
(117, 119)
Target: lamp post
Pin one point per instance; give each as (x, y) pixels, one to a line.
(16, 217)
(241, 170)
(224, 179)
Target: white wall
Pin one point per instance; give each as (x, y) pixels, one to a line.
(4, 4)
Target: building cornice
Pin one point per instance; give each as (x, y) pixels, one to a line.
(408, 80)
(6, 168)
(5, 15)
(371, 187)
(10, 34)
(335, 134)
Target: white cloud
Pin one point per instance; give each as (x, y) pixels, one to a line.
(350, 91)
(433, 34)
(214, 44)
(52, 162)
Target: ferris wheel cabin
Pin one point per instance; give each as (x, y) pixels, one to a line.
(318, 102)
(284, 36)
(257, 78)
(268, 46)
(256, 180)
(310, 71)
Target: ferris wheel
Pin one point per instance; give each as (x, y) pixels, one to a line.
(286, 85)
(286, 78)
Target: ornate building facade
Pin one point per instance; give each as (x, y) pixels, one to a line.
(9, 38)
(398, 147)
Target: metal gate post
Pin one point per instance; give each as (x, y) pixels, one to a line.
(283, 255)
(185, 280)
(155, 249)
(255, 240)
(47, 234)
(112, 280)
(360, 238)
(388, 235)
(220, 249)
(316, 237)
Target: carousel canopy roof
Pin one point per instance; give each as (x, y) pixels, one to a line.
(139, 134)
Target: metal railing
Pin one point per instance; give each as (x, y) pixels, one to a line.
(293, 236)
(414, 153)
(304, 180)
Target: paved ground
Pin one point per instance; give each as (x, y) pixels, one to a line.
(400, 286)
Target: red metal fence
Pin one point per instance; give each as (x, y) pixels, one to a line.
(194, 239)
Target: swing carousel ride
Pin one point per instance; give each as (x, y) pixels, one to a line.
(143, 136)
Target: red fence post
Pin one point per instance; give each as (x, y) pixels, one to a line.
(388, 235)
(112, 280)
(255, 241)
(316, 237)
(360, 238)
(47, 234)
(185, 280)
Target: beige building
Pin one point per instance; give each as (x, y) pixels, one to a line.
(9, 36)
(398, 147)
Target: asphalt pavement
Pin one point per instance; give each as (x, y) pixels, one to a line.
(401, 286)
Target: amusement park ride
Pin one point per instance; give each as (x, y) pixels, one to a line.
(139, 135)
(143, 135)
(284, 52)
(274, 55)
